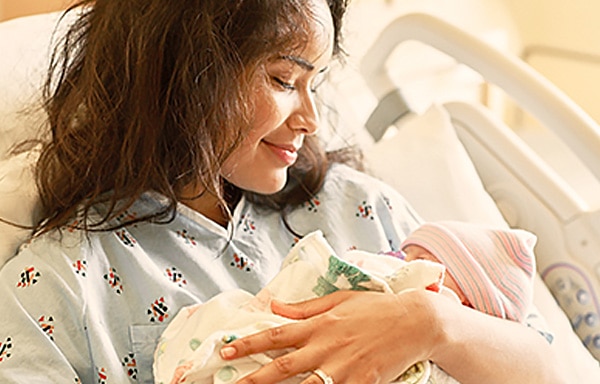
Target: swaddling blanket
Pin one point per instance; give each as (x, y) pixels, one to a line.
(188, 350)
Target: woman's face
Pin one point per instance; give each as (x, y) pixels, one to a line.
(285, 111)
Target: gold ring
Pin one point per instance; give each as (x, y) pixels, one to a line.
(323, 376)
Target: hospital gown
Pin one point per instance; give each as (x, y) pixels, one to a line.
(90, 309)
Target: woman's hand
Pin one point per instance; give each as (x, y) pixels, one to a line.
(354, 337)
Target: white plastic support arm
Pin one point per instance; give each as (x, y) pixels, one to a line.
(529, 89)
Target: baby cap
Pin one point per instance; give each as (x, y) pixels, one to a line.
(493, 267)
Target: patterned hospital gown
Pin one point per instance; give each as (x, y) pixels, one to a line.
(77, 309)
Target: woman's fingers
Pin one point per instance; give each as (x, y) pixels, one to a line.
(294, 363)
(355, 337)
(309, 308)
(289, 335)
(285, 336)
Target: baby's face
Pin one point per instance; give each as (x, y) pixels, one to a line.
(415, 252)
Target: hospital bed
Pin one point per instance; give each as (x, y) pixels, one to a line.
(488, 162)
(454, 160)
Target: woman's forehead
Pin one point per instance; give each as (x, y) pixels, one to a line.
(319, 36)
(322, 22)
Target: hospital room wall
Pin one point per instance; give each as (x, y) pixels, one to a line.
(10, 9)
(561, 39)
(558, 38)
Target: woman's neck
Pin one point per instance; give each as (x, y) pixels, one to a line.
(206, 203)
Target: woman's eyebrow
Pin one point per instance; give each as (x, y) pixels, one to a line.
(300, 62)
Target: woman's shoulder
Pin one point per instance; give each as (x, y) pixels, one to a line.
(356, 211)
(47, 273)
(348, 181)
(56, 251)
(341, 171)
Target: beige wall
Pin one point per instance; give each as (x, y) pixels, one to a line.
(561, 39)
(10, 9)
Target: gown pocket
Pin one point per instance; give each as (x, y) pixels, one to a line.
(144, 339)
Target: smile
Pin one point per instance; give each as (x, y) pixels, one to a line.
(288, 154)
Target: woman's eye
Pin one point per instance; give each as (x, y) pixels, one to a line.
(285, 85)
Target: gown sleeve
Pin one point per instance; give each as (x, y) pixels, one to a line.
(42, 321)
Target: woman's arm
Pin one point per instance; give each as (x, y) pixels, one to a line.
(366, 337)
(476, 348)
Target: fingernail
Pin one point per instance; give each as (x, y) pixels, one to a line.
(228, 352)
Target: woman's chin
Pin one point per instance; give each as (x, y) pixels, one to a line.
(273, 188)
(266, 186)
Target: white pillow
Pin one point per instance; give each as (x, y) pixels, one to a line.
(19, 201)
(426, 162)
(25, 47)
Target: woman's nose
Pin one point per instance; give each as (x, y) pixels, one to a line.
(306, 116)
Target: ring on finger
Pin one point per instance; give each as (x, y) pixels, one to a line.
(323, 376)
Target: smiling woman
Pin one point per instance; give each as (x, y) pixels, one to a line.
(286, 113)
(160, 126)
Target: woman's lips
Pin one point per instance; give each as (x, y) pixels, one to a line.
(287, 153)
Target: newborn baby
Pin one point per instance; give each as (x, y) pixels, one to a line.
(487, 269)
(188, 350)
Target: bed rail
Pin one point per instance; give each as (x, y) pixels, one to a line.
(530, 90)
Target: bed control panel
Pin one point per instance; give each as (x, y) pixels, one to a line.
(574, 293)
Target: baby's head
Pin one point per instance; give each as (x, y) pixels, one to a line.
(489, 269)
(416, 252)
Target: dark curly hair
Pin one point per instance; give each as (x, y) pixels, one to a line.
(149, 95)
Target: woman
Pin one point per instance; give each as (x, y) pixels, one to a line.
(182, 163)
